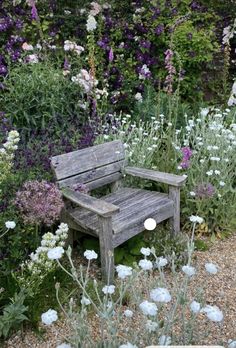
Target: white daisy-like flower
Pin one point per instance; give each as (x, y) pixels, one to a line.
(85, 301)
(145, 264)
(195, 307)
(189, 270)
(10, 224)
(145, 251)
(213, 313)
(217, 172)
(55, 253)
(192, 193)
(148, 308)
(222, 183)
(196, 219)
(211, 268)
(123, 271)
(128, 313)
(151, 326)
(49, 317)
(161, 262)
(164, 340)
(108, 289)
(90, 255)
(150, 224)
(160, 295)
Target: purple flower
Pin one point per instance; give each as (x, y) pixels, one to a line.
(204, 190)
(39, 202)
(34, 12)
(111, 55)
(187, 153)
(159, 29)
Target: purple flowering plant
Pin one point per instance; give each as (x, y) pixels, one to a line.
(40, 203)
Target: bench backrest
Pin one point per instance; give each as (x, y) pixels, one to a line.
(94, 166)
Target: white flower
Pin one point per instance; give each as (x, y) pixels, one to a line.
(164, 340)
(145, 251)
(189, 270)
(138, 97)
(217, 172)
(145, 264)
(197, 219)
(49, 317)
(55, 253)
(33, 58)
(108, 289)
(151, 326)
(231, 344)
(222, 183)
(160, 295)
(161, 261)
(91, 23)
(195, 307)
(150, 224)
(204, 112)
(213, 313)
(209, 173)
(10, 224)
(123, 271)
(90, 254)
(148, 308)
(128, 345)
(64, 345)
(192, 193)
(85, 301)
(211, 268)
(128, 313)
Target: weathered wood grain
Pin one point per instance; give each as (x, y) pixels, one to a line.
(92, 175)
(80, 161)
(106, 248)
(174, 195)
(170, 179)
(98, 206)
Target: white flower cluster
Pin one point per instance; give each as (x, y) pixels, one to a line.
(91, 24)
(7, 154)
(73, 47)
(86, 81)
(42, 260)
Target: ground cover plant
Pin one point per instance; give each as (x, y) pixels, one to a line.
(158, 75)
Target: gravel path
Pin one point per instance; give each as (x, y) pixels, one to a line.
(220, 290)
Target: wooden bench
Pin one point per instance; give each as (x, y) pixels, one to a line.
(119, 215)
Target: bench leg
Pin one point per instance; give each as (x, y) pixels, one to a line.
(174, 195)
(106, 249)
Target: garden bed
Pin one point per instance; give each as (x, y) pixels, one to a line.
(220, 289)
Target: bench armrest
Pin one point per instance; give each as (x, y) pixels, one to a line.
(98, 206)
(166, 178)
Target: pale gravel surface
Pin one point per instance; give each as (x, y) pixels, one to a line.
(220, 290)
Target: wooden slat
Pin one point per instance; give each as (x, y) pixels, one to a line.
(170, 179)
(134, 209)
(163, 213)
(95, 205)
(92, 175)
(104, 181)
(125, 194)
(80, 161)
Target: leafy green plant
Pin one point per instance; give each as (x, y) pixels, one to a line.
(36, 95)
(13, 314)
